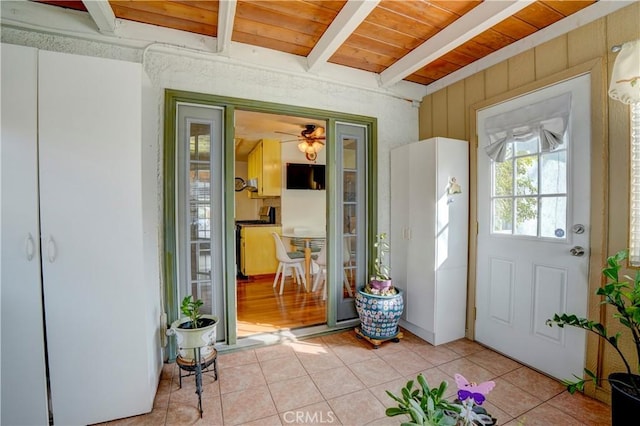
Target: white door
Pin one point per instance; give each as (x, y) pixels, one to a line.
(24, 386)
(100, 337)
(533, 209)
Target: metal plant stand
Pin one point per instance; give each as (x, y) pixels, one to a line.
(196, 367)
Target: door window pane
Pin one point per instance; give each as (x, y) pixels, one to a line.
(527, 216)
(351, 212)
(200, 212)
(503, 178)
(553, 217)
(527, 175)
(503, 215)
(553, 175)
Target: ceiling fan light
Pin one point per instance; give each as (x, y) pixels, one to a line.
(302, 146)
(310, 149)
(317, 146)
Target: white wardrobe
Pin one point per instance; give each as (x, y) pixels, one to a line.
(429, 235)
(72, 242)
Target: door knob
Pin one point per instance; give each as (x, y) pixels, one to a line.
(577, 251)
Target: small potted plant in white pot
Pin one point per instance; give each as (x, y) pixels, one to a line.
(379, 304)
(194, 330)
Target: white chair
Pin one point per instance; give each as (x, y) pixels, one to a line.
(321, 276)
(286, 261)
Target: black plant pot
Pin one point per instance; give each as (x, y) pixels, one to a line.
(625, 399)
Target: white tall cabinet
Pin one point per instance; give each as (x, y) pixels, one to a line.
(72, 241)
(429, 236)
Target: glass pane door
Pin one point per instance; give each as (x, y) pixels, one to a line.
(199, 208)
(351, 144)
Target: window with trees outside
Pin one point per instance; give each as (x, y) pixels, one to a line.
(529, 194)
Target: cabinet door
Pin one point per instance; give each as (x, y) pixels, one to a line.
(259, 255)
(90, 195)
(271, 168)
(421, 250)
(400, 230)
(254, 169)
(24, 392)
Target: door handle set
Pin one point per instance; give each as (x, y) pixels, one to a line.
(577, 251)
(30, 248)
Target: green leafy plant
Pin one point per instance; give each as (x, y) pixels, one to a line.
(624, 296)
(427, 406)
(191, 309)
(380, 268)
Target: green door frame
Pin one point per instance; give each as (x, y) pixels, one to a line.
(229, 105)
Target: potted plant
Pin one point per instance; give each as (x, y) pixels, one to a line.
(379, 304)
(194, 330)
(624, 296)
(427, 406)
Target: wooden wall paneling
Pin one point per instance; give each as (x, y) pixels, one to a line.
(440, 113)
(496, 79)
(456, 111)
(473, 92)
(551, 57)
(425, 118)
(586, 43)
(621, 26)
(522, 69)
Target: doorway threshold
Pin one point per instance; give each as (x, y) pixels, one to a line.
(284, 335)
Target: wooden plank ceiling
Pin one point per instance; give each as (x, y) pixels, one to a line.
(385, 33)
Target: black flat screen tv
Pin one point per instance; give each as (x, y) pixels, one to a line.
(305, 176)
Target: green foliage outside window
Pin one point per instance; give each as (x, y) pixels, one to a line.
(527, 207)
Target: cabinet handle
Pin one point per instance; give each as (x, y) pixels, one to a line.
(52, 250)
(29, 247)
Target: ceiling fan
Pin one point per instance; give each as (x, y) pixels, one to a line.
(311, 140)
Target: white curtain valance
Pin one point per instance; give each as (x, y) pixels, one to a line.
(625, 78)
(546, 120)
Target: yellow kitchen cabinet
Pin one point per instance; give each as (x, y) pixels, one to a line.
(258, 250)
(265, 165)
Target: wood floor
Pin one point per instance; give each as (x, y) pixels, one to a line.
(261, 309)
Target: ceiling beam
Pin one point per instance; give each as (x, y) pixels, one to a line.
(478, 20)
(347, 20)
(226, 16)
(102, 14)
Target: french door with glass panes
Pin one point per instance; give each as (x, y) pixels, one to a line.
(351, 256)
(200, 208)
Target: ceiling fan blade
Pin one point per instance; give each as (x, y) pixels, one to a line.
(285, 133)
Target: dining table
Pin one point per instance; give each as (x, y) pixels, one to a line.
(307, 237)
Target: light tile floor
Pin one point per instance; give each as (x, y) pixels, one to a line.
(341, 380)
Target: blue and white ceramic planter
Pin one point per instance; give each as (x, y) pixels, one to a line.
(379, 315)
